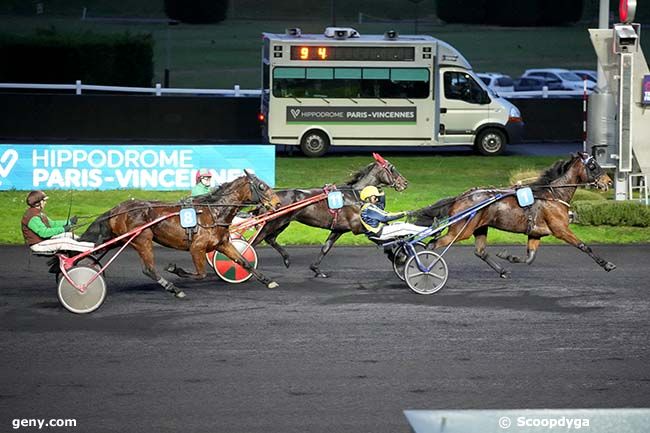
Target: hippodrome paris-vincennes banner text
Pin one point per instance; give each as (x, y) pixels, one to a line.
(149, 167)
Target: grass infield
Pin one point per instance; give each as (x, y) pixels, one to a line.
(430, 178)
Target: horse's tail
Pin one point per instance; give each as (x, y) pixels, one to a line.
(426, 216)
(98, 231)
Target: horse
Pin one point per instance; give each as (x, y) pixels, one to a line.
(215, 212)
(378, 173)
(549, 214)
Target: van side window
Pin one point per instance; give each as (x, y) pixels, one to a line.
(460, 85)
(344, 82)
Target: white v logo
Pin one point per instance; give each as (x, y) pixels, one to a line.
(7, 162)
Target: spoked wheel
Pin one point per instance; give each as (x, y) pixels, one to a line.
(426, 272)
(230, 271)
(401, 256)
(77, 301)
(88, 261)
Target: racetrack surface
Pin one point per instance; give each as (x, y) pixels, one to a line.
(343, 354)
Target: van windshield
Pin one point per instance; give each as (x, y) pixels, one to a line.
(570, 76)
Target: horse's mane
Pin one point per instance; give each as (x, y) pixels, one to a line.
(552, 173)
(218, 193)
(357, 176)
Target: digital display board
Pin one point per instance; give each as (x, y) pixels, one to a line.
(334, 53)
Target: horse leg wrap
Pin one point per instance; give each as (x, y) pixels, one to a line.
(170, 287)
(503, 273)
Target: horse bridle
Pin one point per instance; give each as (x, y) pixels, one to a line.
(256, 191)
(593, 170)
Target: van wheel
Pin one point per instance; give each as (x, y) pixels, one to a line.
(490, 142)
(314, 143)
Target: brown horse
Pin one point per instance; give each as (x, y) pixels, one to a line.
(215, 212)
(378, 173)
(549, 214)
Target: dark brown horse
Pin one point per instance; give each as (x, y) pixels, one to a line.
(215, 212)
(549, 214)
(378, 173)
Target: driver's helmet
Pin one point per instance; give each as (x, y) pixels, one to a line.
(204, 172)
(35, 197)
(371, 191)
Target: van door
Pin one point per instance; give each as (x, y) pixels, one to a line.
(462, 108)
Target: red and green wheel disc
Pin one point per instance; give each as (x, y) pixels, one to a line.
(209, 256)
(230, 271)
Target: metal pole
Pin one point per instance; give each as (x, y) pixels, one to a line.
(603, 23)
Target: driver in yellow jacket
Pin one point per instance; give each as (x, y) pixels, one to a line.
(374, 218)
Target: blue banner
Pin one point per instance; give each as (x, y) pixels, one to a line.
(149, 167)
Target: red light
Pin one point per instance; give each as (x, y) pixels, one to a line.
(261, 117)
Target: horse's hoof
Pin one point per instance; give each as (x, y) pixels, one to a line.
(171, 268)
(180, 294)
(503, 254)
(609, 266)
(505, 275)
(272, 285)
(287, 263)
(320, 275)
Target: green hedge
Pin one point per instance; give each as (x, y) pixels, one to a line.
(613, 213)
(104, 59)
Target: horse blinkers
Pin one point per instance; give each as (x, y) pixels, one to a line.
(595, 173)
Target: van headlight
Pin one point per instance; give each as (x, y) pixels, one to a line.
(515, 115)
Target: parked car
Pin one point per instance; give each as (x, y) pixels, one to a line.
(526, 84)
(567, 79)
(497, 82)
(587, 74)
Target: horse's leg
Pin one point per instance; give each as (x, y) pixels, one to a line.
(276, 246)
(270, 239)
(231, 252)
(331, 239)
(480, 245)
(143, 245)
(198, 258)
(562, 231)
(531, 250)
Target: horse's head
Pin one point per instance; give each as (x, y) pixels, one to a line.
(260, 192)
(591, 172)
(386, 174)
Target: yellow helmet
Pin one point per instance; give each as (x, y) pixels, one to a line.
(369, 191)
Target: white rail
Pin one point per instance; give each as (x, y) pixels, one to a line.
(78, 87)
(158, 90)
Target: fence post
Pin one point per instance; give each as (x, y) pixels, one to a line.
(158, 92)
(545, 92)
(237, 90)
(78, 87)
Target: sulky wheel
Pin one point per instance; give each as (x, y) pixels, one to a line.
(426, 272)
(230, 271)
(401, 256)
(209, 256)
(82, 302)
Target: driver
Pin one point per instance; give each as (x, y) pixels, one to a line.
(203, 182)
(374, 218)
(44, 235)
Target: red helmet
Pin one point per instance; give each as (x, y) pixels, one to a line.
(35, 197)
(204, 172)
